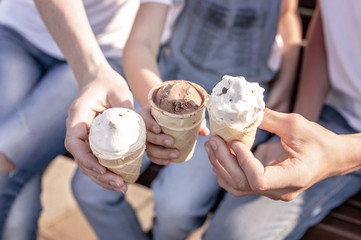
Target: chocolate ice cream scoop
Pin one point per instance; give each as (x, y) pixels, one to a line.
(178, 97)
(178, 106)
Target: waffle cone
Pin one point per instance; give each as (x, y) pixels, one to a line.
(127, 167)
(229, 134)
(184, 128)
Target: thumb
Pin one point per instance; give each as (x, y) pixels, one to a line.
(276, 122)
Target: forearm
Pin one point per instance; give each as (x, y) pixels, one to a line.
(142, 49)
(67, 22)
(141, 69)
(314, 83)
(290, 31)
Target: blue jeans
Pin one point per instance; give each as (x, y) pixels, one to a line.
(256, 217)
(108, 212)
(21, 222)
(36, 91)
(184, 194)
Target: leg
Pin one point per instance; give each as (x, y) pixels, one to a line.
(184, 193)
(235, 218)
(25, 212)
(108, 212)
(19, 70)
(256, 217)
(33, 133)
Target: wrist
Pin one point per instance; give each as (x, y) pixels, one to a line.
(350, 153)
(89, 68)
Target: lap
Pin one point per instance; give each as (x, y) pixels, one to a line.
(258, 217)
(235, 218)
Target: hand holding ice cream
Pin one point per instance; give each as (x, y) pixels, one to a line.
(178, 107)
(235, 109)
(117, 139)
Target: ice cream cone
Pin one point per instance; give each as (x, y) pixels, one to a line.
(183, 128)
(111, 143)
(235, 109)
(127, 167)
(229, 133)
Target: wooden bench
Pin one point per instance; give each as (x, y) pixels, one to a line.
(342, 223)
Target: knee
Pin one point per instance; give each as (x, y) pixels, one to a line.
(79, 189)
(88, 193)
(169, 210)
(6, 165)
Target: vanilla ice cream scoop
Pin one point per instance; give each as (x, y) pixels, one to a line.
(236, 102)
(236, 109)
(117, 132)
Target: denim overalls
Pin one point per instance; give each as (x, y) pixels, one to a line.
(211, 38)
(214, 37)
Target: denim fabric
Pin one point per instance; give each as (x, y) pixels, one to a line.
(255, 217)
(108, 212)
(211, 38)
(35, 93)
(24, 214)
(215, 37)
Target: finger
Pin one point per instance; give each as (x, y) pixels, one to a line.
(159, 152)
(150, 122)
(226, 186)
(251, 167)
(226, 163)
(81, 150)
(126, 104)
(276, 122)
(204, 131)
(121, 98)
(160, 139)
(109, 181)
(283, 175)
(159, 161)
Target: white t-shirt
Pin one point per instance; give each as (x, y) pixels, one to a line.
(175, 8)
(111, 21)
(342, 33)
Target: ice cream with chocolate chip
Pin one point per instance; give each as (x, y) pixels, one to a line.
(236, 109)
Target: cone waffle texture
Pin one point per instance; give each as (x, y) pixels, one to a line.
(126, 164)
(229, 134)
(184, 128)
(128, 167)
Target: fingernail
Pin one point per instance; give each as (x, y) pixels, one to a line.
(207, 148)
(168, 142)
(213, 145)
(97, 171)
(173, 155)
(156, 129)
(124, 188)
(114, 184)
